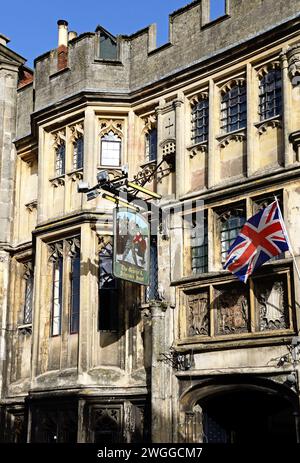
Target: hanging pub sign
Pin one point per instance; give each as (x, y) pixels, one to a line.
(131, 246)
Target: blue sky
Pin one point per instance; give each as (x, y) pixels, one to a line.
(32, 25)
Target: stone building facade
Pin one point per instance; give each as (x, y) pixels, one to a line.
(198, 356)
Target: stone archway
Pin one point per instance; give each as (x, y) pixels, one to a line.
(239, 410)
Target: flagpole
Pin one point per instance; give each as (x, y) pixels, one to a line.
(287, 237)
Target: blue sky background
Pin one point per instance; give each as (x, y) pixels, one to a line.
(32, 25)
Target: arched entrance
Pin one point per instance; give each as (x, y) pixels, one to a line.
(239, 409)
(241, 416)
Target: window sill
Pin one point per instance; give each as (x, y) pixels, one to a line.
(206, 343)
(223, 276)
(109, 62)
(25, 328)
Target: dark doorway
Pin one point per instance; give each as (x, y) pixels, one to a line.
(241, 416)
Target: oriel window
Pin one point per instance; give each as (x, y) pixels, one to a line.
(110, 150)
(60, 154)
(270, 95)
(234, 109)
(78, 153)
(199, 119)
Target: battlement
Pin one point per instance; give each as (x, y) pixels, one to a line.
(128, 63)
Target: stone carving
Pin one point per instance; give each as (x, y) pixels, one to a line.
(264, 70)
(272, 305)
(77, 175)
(28, 270)
(232, 83)
(55, 251)
(232, 310)
(150, 123)
(76, 131)
(263, 126)
(196, 98)
(59, 138)
(57, 181)
(110, 125)
(32, 205)
(197, 314)
(293, 56)
(238, 137)
(197, 149)
(73, 245)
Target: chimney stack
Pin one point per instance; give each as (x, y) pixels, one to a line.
(62, 32)
(72, 35)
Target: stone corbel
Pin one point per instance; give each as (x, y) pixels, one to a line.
(238, 137)
(264, 70)
(232, 83)
(58, 181)
(25, 329)
(263, 125)
(295, 140)
(197, 98)
(31, 205)
(76, 175)
(197, 149)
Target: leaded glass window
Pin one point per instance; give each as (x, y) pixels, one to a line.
(151, 145)
(152, 289)
(234, 109)
(199, 247)
(108, 291)
(75, 292)
(108, 47)
(27, 319)
(110, 150)
(57, 290)
(270, 95)
(78, 153)
(60, 154)
(200, 121)
(231, 224)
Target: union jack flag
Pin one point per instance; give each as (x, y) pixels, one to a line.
(262, 237)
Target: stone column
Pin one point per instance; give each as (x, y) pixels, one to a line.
(211, 136)
(179, 131)
(287, 115)
(91, 158)
(251, 109)
(4, 278)
(160, 423)
(88, 302)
